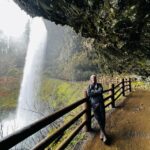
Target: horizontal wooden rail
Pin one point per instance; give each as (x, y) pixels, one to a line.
(108, 97)
(117, 91)
(127, 89)
(105, 91)
(72, 135)
(118, 96)
(126, 81)
(22, 134)
(108, 104)
(45, 142)
(118, 84)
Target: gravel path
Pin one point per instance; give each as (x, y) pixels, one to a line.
(128, 126)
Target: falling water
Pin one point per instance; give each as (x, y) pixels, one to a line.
(27, 110)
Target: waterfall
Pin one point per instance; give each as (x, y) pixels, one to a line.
(28, 105)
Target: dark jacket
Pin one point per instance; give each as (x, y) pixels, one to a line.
(94, 92)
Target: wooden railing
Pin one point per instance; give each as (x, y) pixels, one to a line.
(112, 95)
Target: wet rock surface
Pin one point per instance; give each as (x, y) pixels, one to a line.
(92, 18)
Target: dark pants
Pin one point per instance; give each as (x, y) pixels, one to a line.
(99, 113)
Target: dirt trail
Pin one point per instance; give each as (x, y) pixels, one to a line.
(128, 126)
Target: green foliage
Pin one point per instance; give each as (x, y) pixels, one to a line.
(61, 93)
(143, 85)
(9, 90)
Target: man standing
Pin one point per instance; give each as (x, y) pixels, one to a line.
(96, 99)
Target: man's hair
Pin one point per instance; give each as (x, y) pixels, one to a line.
(92, 76)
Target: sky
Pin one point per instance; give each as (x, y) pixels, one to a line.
(12, 19)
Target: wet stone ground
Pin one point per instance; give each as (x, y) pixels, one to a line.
(128, 127)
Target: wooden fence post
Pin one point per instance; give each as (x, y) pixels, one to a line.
(88, 112)
(113, 95)
(123, 87)
(130, 87)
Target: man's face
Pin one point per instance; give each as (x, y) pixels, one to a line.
(93, 80)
